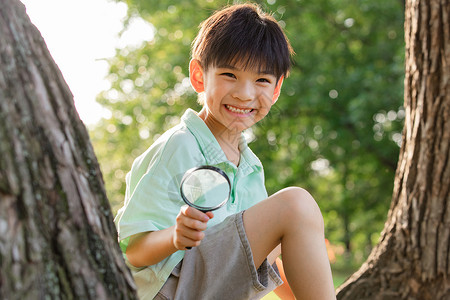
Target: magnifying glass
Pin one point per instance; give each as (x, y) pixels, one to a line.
(205, 188)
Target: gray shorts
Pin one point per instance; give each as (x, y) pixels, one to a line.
(221, 268)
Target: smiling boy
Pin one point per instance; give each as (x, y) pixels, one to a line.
(235, 99)
(239, 61)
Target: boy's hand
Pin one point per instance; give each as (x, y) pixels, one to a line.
(189, 227)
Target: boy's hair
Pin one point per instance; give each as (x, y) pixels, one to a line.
(243, 34)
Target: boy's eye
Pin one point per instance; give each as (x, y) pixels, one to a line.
(263, 80)
(231, 75)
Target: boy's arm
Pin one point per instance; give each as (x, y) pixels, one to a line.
(150, 248)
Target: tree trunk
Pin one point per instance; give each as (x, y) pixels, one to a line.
(57, 237)
(412, 259)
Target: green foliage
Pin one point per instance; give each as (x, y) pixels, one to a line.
(335, 130)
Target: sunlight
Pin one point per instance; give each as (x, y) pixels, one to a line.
(80, 36)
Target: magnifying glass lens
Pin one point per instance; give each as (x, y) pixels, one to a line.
(205, 188)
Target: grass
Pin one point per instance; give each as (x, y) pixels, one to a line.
(271, 296)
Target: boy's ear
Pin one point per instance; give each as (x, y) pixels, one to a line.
(277, 91)
(196, 76)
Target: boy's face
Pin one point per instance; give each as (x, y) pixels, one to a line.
(235, 98)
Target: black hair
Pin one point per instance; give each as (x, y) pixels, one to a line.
(243, 34)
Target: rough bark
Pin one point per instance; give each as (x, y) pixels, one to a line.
(57, 237)
(412, 259)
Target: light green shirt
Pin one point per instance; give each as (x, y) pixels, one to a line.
(153, 200)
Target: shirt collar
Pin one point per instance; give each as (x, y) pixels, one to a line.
(211, 149)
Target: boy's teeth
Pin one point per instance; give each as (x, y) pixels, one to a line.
(238, 110)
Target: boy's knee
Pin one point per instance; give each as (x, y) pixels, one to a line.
(299, 205)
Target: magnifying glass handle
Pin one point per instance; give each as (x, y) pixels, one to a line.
(202, 210)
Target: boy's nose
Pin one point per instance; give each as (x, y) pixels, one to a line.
(244, 91)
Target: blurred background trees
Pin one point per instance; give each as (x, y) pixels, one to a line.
(335, 130)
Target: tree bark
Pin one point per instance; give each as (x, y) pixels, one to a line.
(57, 236)
(412, 259)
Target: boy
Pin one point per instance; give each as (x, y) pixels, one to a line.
(239, 60)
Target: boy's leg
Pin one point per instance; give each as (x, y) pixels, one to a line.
(291, 217)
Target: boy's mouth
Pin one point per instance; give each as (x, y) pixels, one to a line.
(238, 110)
